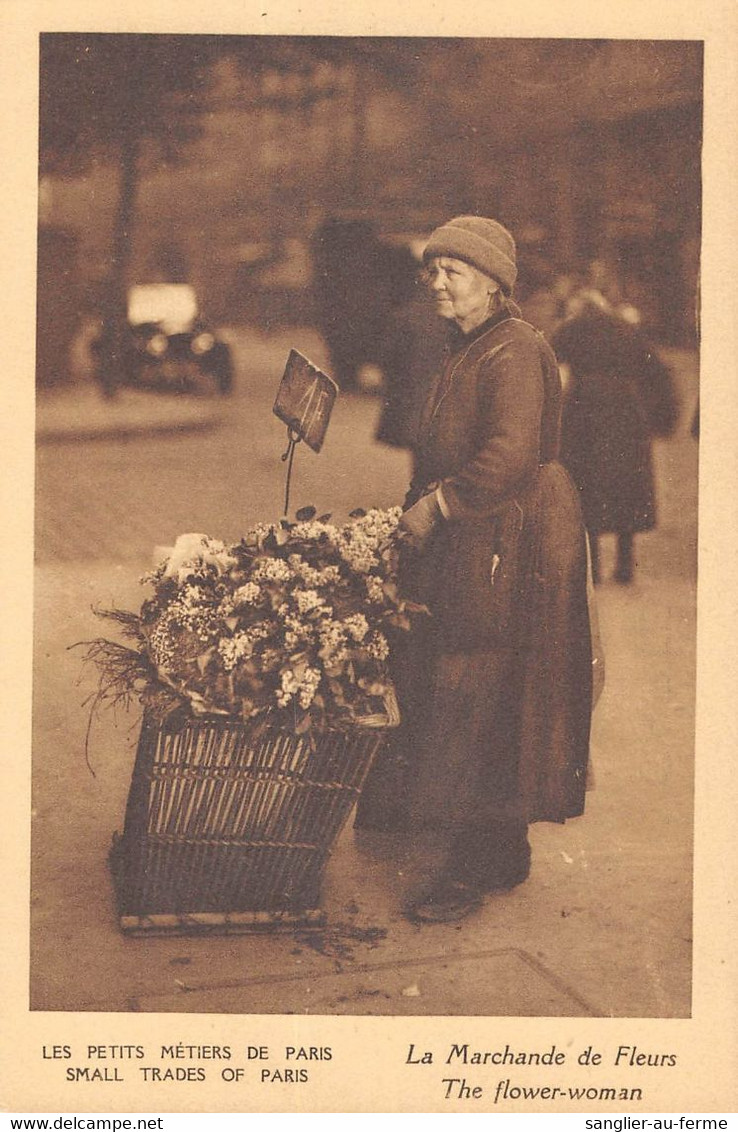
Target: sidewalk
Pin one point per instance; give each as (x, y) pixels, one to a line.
(80, 412)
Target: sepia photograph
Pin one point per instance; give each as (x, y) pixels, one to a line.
(507, 302)
(365, 563)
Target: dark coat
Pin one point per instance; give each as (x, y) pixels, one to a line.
(606, 431)
(496, 688)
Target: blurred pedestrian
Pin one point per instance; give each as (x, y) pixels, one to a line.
(357, 282)
(608, 423)
(495, 688)
(413, 348)
(538, 295)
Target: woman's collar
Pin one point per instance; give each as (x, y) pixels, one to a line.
(509, 309)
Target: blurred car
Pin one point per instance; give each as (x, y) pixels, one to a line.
(167, 343)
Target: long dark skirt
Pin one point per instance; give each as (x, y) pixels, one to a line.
(499, 731)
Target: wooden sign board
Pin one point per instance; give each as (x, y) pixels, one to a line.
(305, 400)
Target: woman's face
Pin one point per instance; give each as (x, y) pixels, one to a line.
(461, 292)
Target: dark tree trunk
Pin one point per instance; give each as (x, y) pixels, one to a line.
(359, 144)
(112, 371)
(129, 152)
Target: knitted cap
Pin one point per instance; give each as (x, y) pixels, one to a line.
(483, 243)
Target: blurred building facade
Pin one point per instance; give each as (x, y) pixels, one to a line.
(587, 150)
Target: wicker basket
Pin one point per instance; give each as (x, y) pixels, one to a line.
(229, 828)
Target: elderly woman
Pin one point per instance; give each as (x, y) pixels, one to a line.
(496, 688)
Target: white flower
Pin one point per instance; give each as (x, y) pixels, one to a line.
(233, 649)
(329, 576)
(190, 609)
(161, 644)
(356, 626)
(332, 641)
(271, 570)
(378, 648)
(217, 554)
(289, 687)
(194, 550)
(191, 596)
(303, 688)
(376, 526)
(356, 551)
(308, 600)
(296, 633)
(188, 548)
(309, 686)
(313, 530)
(359, 541)
(374, 588)
(247, 594)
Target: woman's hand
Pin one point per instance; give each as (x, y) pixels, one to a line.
(420, 519)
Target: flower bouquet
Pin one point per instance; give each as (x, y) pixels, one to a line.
(292, 624)
(263, 670)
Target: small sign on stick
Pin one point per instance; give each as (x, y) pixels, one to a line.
(305, 400)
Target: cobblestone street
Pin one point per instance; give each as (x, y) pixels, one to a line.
(115, 499)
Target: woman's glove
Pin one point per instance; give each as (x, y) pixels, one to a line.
(420, 519)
